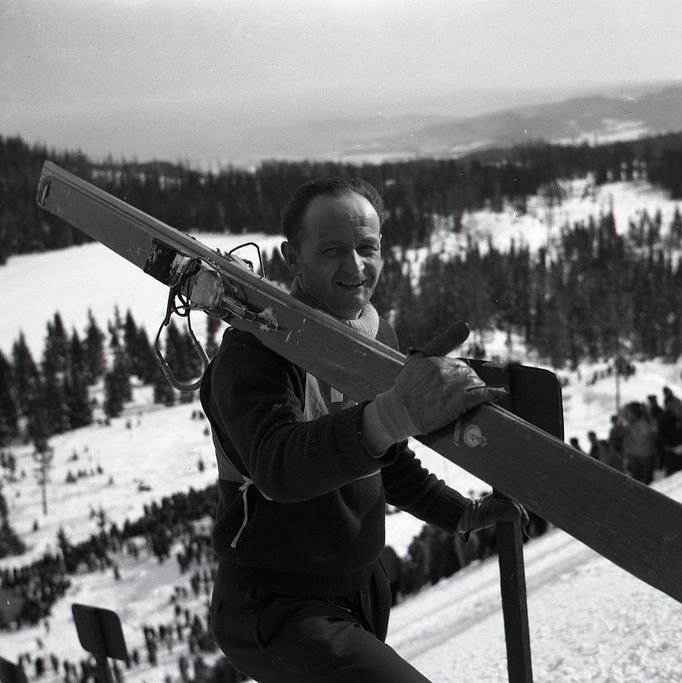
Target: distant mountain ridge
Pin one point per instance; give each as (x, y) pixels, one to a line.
(594, 119)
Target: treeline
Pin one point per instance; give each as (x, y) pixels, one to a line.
(57, 393)
(236, 200)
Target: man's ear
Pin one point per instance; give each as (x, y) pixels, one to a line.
(290, 255)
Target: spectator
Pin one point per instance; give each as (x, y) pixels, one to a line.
(609, 456)
(616, 434)
(672, 403)
(639, 444)
(594, 445)
(575, 443)
(670, 434)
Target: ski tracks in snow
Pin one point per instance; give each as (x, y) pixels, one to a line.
(473, 595)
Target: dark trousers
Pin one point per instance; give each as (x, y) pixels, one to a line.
(277, 638)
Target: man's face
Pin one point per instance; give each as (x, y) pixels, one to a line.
(339, 259)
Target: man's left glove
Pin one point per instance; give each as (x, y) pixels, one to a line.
(488, 510)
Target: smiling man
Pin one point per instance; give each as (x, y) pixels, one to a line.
(305, 473)
(333, 248)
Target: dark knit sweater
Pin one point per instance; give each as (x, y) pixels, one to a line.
(316, 510)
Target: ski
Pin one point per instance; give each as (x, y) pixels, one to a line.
(632, 525)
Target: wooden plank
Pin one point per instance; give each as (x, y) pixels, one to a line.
(514, 605)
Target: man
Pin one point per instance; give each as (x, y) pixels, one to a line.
(639, 445)
(300, 593)
(594, 445)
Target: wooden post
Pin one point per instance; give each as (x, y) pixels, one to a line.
(99, 632)
(514, 605)
(11, 673)
(510, 559)
(537, 399)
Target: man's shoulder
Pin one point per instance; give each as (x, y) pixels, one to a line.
(239, 349)
(241, 344)
(234, 338)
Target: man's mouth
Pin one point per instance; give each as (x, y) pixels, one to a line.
(351, 285)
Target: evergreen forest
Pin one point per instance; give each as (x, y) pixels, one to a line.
(601, 291)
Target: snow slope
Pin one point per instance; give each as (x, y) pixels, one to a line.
(590, 621)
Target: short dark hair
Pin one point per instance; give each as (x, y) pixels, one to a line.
(295, 208)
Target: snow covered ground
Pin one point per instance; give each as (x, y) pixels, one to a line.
(590, 621)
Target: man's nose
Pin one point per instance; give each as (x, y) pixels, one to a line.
(353, 263)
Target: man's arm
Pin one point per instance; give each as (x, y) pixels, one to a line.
(257, 397)
(428, 393)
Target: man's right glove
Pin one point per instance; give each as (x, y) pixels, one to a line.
(429, 393)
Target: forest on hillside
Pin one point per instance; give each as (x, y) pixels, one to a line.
(599, 293)
(235, 200)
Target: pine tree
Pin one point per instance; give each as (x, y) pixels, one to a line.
(131, 341)
(117, 387)
(115, 328)
(67, 550)
(53, 367)
(26, 375)
(56, 348)
(75, 384)
(43, 455)
(77, 400)
(38, 427)
(95, 363)
(10, 543)
(130, 333)
(148, 363)
(113, 402)
(76, 360)
(9, 411)
(163, 391)
(193, 360)
(53, 398)
(175, 353)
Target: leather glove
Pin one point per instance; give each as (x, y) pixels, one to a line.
(488, 510)
(429, 393)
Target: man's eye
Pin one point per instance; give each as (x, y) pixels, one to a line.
(368, 249)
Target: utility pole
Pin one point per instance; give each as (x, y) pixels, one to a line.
(44, 454)
(617, 386)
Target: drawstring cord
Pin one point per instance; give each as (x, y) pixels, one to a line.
(244, 488)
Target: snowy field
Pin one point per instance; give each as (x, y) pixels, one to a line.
(590, 621)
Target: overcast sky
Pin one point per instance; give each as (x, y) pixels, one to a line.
(163, 78)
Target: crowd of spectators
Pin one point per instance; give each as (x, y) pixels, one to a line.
(644, 438)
